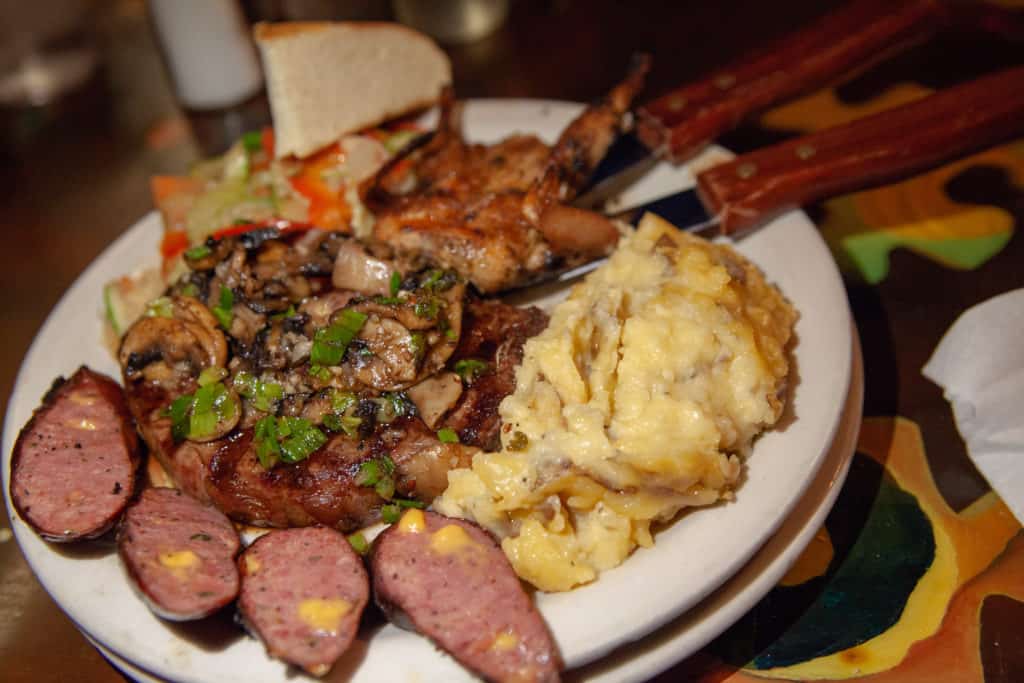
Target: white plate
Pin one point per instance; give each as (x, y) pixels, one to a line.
(691, 559)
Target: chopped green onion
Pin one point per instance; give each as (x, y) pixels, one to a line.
(332, 422)
(263, 395)
(290, 313)
(369, 473)
(427, 309)
(397, 142)
(222, 311)
(190, 289)
(469, 369)
(350, 425)
(330, 343)
(198, 252)
(245, 384)
(385, 488)
(195, 416)
(358, 543)
(291, 439)
(213, 403)
(161, 307)
(439, 280)
(433, 277)
(211, 376)
(392, 405)
(409, 503)
(447, 435)
(450, 334)
(390, 513)
(342, 400)
(378, 474)
(320, 372)
(301, 438)
(395, 283)
(109, 294)
(518, 442)
(267, 394)
(267, 449)
(178, 412)
(388, 300)
(252, 141)
(417, 344)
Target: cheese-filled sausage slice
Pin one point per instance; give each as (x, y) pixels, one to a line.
(74, 464)
(303, 592)
(180, 554)
(449, 580)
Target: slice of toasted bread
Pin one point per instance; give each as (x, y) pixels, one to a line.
(328, 79)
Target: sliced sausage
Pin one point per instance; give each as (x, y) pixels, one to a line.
(449, 580)
(74, 465)
(303, 592)
(180, 554)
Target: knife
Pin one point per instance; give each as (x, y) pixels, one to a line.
(683, 121)
(737, 196)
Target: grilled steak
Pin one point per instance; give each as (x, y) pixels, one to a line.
(493, 333)
(233, 386)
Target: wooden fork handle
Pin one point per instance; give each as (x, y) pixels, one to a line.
(683, 121)
(869, 151)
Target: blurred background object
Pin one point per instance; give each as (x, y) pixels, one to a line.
(210, 58)
(44, 52)
(208, 51)
(453, 21)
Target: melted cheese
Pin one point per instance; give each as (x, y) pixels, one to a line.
(639, 399)
(324, 615)
(449, 539)
(504, 641)
(412, 522)
(252, 565)
(179, 562)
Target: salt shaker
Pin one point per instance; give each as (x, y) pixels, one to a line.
(208, 50)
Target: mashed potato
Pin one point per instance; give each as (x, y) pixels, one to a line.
(637, 401)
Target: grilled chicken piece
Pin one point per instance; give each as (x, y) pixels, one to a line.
(495, 214)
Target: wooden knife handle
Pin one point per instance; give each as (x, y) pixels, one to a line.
(870, 151)
(684, 120)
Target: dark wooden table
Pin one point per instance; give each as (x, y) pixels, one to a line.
(74, 176)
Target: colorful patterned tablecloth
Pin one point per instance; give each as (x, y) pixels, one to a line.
(917, 574)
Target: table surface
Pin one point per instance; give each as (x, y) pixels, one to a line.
(863, 599)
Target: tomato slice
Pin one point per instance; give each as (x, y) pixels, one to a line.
(282, 225)
(173, 243)
(327, 208)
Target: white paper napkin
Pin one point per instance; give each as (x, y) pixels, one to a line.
(980, 366)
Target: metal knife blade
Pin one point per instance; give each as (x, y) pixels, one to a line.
(625, 162)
